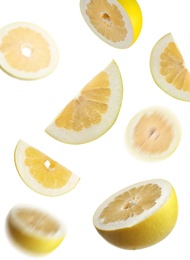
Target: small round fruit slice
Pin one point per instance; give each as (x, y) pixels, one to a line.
(116, 22)
(41, 173)
(153, 133)
(35, 230)
(27, 51)
(93, 111)
(138, 216)
(169, 70)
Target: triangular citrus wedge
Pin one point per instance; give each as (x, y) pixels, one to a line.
(41, 173)
(27, 51)
(168, 68)
(93, 111)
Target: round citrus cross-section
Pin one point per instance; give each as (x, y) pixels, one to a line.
(168, 68)
(27, 51)
(139, 215)
(41, 173)
(118, 23)
(35, 230)
(153, 134)
(93, 111)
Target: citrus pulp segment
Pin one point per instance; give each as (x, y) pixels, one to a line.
(27, 51)
(118, 23)
(168, 68)
(35, 230)
(41, 173)
(93, 111)
(138, 216)
(153, 134)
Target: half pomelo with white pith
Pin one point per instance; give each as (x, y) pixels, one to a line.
(93, 111)
(118, 23)
(27, 51)
(35, 230)
(138, 216)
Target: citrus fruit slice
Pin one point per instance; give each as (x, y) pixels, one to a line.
(168, 68)
(35, 230)
(93, 111)
(116, 22)
(153, 134)
(27, 51)
(41, 173)
(138, 216)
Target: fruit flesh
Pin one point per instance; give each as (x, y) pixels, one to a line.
(45, 170)
(26, 49)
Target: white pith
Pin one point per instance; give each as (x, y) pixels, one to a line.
(166, 190)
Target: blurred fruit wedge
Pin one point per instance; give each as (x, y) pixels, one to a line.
(138, 216)
(116, 22)
(153, 134)
(41, 173)
(34, 230)
(27, 51)
(93, 111)
(168, 68)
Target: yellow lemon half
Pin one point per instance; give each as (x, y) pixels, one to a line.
(153, 133)
(35, 230)
(93, 111)
(168, 68)
(41, 173)
(116, 22)
(138, 216)
(27, 51)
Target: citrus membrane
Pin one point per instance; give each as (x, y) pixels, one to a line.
(93, 111)
(139, 215)
(118, 23)
(27, 51)
(41, 173)
(153, 133)
(35, 230)
(168, 68)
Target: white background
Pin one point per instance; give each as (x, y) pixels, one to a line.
(105, 165)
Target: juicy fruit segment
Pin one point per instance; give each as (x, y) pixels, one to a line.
(117, 23)
(138, 216)
(93, 111)
(27, 51)
(35, 230)
(41, 173)
(153, 133)
(168, 68)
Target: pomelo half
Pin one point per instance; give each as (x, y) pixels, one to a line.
(116, 22)
(139, 215)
